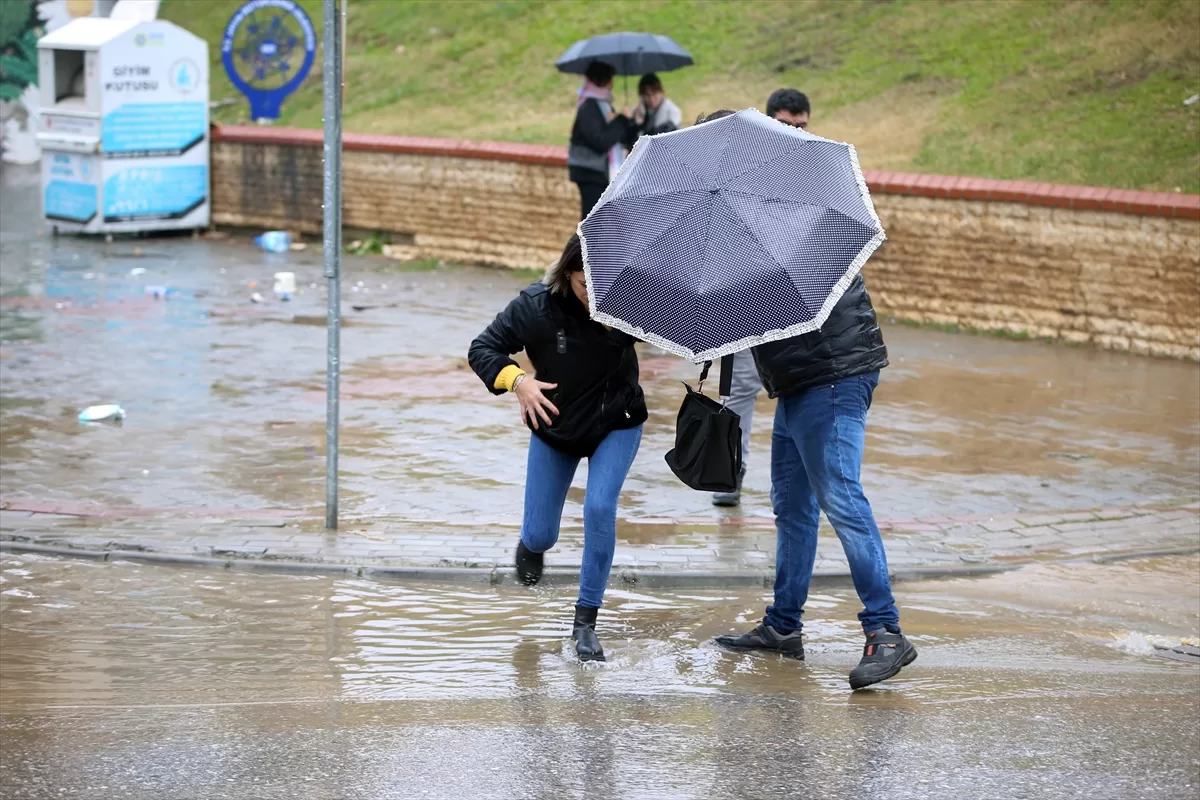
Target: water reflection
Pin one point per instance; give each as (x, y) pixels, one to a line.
(137, 681)
(220, 390)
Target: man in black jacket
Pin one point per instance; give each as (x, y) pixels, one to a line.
(824, 382)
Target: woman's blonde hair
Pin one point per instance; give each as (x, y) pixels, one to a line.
(558, 277)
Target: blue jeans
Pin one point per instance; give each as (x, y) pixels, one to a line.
(546, 483)
(816, 458)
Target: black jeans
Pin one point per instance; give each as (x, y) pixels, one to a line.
(589, 195)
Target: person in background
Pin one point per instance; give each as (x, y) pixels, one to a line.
(584, 402)
(790, 107)
(597, 137)
(656, 113)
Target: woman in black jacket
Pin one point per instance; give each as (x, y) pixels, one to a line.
(585, 402)
(597, 137)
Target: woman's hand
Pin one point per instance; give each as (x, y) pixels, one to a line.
(534, 404)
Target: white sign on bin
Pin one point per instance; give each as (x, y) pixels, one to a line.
(131, 153)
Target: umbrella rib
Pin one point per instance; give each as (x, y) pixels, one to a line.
(766, 163)
(701, 186)
(666, 229)
(749, 230)
(842, 214)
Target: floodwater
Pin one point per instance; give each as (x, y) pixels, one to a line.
(225, 398)
(131, 681)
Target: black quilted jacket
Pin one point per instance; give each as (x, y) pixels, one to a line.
(849, 343)
(596, 369)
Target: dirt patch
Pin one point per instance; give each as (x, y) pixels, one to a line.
(889, 129)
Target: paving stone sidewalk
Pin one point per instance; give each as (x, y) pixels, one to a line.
(703, 550)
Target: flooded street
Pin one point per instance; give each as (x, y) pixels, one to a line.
(130, 681)
(225, 398)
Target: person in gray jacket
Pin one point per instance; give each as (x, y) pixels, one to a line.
(597, 137)
(790, 107)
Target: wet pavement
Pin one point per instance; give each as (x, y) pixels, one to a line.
(980, 450)
(134, 681)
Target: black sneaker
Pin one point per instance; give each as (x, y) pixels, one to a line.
(883, 656)
(764, 637)
(529, 565)
(730, 499)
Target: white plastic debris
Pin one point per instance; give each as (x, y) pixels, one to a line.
(133, 273)
(285, 285)
(1191, 101)
(256, 298)
(105, 413)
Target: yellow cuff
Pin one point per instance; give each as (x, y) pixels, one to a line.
(504, 380)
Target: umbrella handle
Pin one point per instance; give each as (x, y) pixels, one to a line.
(703, 376)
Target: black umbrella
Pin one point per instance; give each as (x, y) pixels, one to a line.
(627, 53)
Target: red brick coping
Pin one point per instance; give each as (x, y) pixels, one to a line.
(1126, 201)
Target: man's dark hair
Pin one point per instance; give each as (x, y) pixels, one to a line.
(599, 72)
(718, 114)
(789, 100)
(649, 83)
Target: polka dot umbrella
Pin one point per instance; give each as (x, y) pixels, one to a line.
(728, 234)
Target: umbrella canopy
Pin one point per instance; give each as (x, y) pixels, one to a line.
(627, 53)
(728, 234)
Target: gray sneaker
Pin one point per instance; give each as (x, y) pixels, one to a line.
(764, 637)
(730, 499)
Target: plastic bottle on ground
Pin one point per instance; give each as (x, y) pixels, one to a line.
(274, 241)
(105, 413)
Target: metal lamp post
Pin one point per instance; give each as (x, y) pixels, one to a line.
(332, 232)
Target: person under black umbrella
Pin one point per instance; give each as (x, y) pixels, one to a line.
(655, 113)
(597, 137)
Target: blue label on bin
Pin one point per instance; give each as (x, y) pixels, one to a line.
(155, 192)
(153, 129)
(70, 201)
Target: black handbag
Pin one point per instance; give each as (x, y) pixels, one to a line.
(708, 437)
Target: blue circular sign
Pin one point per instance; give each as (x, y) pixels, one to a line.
(268, 50)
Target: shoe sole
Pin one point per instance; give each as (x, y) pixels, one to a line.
(726, 503)
(735, 648)
(589, 658)
(905, 660)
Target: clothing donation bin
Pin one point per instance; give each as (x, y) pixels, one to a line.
(124, 110)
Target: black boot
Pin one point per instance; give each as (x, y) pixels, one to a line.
(587, 646)
(529, 565)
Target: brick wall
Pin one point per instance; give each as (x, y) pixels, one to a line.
(1114, 268)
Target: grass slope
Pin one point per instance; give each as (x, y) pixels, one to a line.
(1070, 91)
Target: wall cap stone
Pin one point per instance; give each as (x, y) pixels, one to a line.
(1090, 198)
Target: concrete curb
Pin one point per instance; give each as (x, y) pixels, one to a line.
(560, 576)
